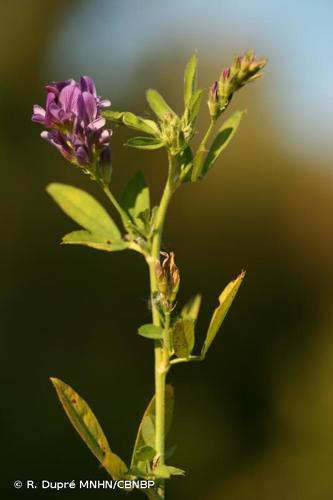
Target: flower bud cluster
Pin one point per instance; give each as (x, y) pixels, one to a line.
(244, 69)
(172, 134)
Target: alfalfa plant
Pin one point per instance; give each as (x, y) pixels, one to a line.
(76, 119)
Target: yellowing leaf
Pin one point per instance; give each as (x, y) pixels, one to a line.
(182, 335)
(226, 298)
(86, 424)
(191, 309)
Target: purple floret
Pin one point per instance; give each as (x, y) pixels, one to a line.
(213, 91)
(75, 125)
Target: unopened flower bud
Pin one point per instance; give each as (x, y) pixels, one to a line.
(213, 91)
(104, 167)
(168, 278)
(226, 73)
(171, 133)
(238, 62)
(213, 101)
(244, 69)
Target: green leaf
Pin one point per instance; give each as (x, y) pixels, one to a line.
(153, 215)
(141, 124)
(162, 471)
(157, 103)
(190, 79)
(135, 198)
(196, 172)
(148, 430)
(143, 222)
(86, 424)
(114, 116)
(145, 474)
(225, 299)
(150, 411)
(186, 163)
(166, 471)
(175, 471)
(182, 335)
(148, 143)
(194, 105)
(221, 141)
(132, 121)
(146, 453)
(84, 210)
(97, 241)
(191, 309)
(151, 331)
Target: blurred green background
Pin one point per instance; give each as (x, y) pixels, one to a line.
(254, 422)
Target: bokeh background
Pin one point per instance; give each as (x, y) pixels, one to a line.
(254, 422)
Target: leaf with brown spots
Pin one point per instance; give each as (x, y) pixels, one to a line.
(100, 242)
(182, 335)
(225, 300)
(86, 424)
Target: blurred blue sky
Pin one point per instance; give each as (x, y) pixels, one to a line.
(296, 36)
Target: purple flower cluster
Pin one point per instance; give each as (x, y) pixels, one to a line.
(75, 125)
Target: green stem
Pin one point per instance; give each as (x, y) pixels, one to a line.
(161, 351)
(175, 361)
(166, 331)
(202, 149)
(208, 134)
(124, 217)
